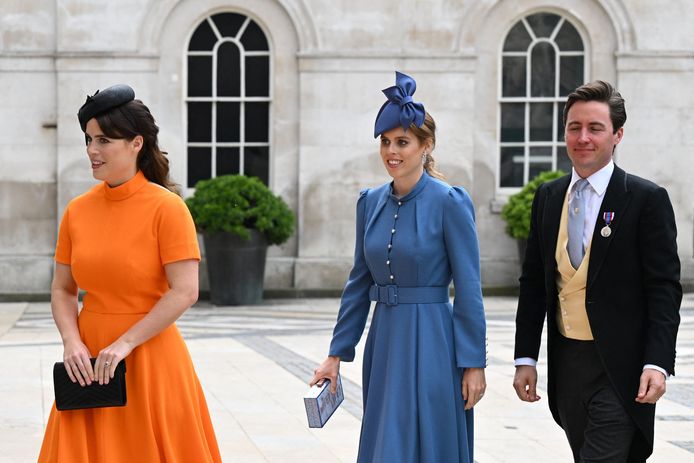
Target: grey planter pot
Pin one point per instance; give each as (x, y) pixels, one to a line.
(235, 267)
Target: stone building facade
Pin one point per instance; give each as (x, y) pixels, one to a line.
(313, 74)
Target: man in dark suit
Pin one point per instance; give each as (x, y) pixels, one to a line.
(602, 265)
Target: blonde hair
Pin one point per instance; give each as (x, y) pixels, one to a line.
(427, 132)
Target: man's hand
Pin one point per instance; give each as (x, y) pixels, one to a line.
(651, 386)
(525, 383)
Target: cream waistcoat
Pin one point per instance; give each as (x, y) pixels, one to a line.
(572, 318)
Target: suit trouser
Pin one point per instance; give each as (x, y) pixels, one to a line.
(598, 427)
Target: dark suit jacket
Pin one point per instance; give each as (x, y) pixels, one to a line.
(633, 292)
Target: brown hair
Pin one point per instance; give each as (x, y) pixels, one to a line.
(130, 120)
(604, 92)
(427, 132)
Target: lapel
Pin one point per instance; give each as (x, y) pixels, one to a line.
(616, 200)
(551, 218)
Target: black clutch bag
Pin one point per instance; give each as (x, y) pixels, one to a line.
(72, 396)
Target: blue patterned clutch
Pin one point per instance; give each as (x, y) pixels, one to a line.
(321, 404)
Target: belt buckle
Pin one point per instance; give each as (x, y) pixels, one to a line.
(392, 295)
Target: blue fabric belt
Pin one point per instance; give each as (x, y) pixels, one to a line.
(394, 295)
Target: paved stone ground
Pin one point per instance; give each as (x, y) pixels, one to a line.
(254, 363)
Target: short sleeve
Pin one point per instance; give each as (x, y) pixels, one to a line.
(63, 249)
(176, 232)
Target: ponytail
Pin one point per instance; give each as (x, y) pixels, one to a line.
(427, 133)
(155, 166)
(430, 167)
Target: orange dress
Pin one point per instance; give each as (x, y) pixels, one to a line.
(117, 241)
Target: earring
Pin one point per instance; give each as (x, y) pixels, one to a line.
(424, 157)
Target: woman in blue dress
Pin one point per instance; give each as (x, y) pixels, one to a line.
(424, 358)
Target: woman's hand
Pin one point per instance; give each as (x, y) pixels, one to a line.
(329, 369)
(107, 361)
(474, 385)
(64, 307)
(76, 359)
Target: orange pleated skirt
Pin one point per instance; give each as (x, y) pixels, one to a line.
(166, 417)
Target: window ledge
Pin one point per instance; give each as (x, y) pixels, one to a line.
(498, 202)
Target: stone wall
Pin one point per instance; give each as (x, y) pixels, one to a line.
(329, 59)
(27, 146)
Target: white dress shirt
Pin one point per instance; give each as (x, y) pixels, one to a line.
(593, 195)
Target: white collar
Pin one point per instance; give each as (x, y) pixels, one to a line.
(598, 181)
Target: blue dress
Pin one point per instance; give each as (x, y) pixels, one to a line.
(415, 353)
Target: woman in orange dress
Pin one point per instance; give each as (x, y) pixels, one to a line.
(130, 244)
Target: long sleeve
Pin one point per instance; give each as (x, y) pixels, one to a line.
(355, 303)
(661, 274)
(469, 325)
(530, 316)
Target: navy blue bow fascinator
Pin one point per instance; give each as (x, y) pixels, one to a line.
(400, 109)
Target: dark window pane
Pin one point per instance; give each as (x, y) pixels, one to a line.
(257, 162)
(560, 121)
(540, 154)
(568, 39)
(227, 161)
(540, 161)
(518, 38)
(228, 122)
(253, 38)
(203, 38)
(228, 24)
(570, 74)
(199, 76)
(257, 122)
(199, 165)
(534, 169)
(228, 70)
(511, 172)
(199, 122)
(513, 76)
(258, 76)
(543, 24)
(512, 121)
(541, 121)
(563, 161)
(542, 70)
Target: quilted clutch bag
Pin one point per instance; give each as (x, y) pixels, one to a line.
(72, 396)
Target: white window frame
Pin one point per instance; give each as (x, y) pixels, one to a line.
(556, 100)
(214, 99)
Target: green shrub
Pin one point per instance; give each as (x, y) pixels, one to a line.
(236, 203)
(516, 212)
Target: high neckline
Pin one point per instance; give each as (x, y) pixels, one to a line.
(419, 186)
(127, 189)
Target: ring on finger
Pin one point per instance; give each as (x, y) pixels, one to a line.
(107, 363)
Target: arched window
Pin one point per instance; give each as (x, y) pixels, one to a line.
(228, 99)
(543, 60)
